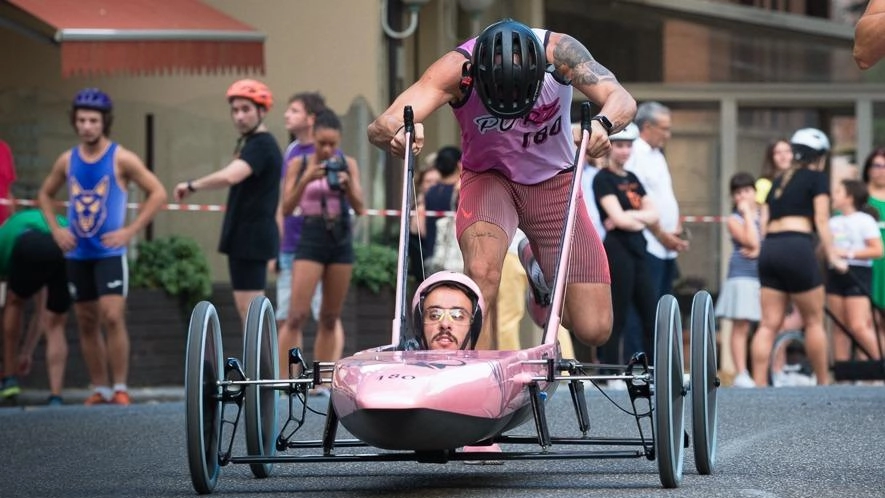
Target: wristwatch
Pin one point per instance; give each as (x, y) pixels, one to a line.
(605, 122)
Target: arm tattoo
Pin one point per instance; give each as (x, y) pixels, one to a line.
(573, 60)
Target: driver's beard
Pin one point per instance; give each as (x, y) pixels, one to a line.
(446, 334)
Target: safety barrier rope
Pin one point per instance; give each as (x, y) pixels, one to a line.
(217, 208)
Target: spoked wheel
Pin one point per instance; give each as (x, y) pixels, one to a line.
(202, 371)
(261, 363)
(669, 422)
(704, 382)
(788, 364)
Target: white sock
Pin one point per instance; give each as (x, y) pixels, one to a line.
(120, 387)
(105, 392)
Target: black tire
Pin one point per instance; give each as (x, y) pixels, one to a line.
(704, 382)
(202, 371)
(669, 393)
(260, 363)
(792, 344)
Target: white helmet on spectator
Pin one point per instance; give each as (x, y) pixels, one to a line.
(628, 134)
(809, 144)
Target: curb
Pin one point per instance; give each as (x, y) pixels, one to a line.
(74, 397)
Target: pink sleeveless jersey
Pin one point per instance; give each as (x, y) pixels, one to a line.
(527, 150)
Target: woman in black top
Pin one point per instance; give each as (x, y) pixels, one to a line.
(625, 210)
(797, 206)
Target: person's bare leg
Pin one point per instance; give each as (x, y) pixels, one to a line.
(329, 343)
(858, 313)
(774, 305)
(56, 350)
(740, 333)
(92, 343)
(242, 300)
(305, 276)
(484, 246)
(588, 312)
(811, 307)
(113, 317)
(12, 324)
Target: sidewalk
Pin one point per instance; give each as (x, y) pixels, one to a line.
(32, 397)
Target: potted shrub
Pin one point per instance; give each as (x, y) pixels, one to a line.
(374, 267)
(175, 265)
(167, 278)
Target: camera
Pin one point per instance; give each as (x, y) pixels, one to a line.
(332, 167)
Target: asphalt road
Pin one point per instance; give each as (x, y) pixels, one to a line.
(786, 442)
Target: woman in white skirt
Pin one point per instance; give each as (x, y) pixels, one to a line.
(739, 297)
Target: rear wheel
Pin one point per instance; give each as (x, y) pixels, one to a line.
(704, 382)
(669, 395)
(203, 363)
(261, 360)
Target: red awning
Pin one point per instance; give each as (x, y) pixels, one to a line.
(142, 36)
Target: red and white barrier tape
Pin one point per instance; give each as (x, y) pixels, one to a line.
(217, 208)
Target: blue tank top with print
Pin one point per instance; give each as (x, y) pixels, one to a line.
(97, 204)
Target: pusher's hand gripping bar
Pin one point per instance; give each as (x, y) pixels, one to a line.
(399, 314)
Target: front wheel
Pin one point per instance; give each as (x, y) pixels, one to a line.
(669, 395)
(202, 372)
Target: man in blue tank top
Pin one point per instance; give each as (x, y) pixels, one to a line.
(97, 173)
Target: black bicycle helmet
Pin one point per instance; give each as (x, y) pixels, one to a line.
(509, 64)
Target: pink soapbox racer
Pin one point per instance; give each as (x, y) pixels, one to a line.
(423, 405)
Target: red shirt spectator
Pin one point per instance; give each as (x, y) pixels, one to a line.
(7, 176)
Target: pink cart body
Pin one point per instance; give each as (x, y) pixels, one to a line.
(433, 400)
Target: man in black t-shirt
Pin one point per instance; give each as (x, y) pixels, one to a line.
(249, 235)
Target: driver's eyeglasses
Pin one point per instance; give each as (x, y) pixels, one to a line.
(436, 314)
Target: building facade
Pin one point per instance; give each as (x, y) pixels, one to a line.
(736, 74)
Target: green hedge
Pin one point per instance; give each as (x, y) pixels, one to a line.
(174, 264)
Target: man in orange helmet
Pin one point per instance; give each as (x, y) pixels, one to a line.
(249, 235)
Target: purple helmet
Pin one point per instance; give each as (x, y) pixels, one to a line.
(449, 279)
(92, 98)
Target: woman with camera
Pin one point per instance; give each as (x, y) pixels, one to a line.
(323, 187)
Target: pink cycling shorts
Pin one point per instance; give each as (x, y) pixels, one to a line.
(540, 211)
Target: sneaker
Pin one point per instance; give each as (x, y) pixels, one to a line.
(780, 379)
(538, 297)
(801, 380)
(55, 400)
(95, 399)
(10, 388)
(537, 312)
(120, 398)
(538, 283)
(743, 379)
(492, 448)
